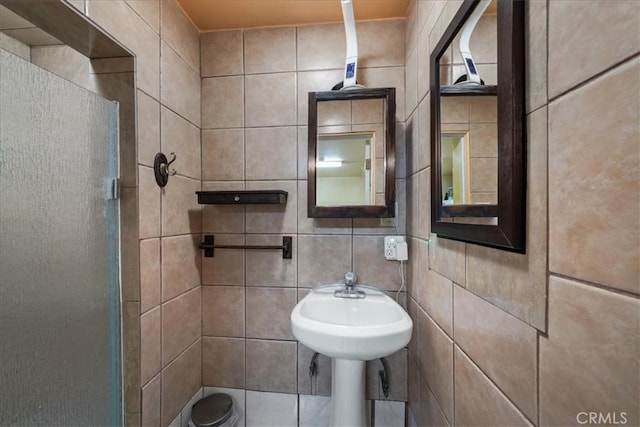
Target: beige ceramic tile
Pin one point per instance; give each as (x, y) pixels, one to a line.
(270, 99)
(221, 53)
(148, 128)
(271, 153)
(151, 402)
(591, 357)
(483, 109)
(321, 382)
(226, 267)
(398, 375)
(11, 20)
(436, 297)
(181, 137)
(334, 113)
(571, 58)
(423, 156)
(501, 345)
(269, 50)
(411, 25)
(62, 61)
(413, 390)
(15, 47)
(180, 380)
(478, 401)
(412, 139)
(223, 362)
(318, 225)
(587, 175)
(321, 47)
(454, 109)
(430, 411)
(223, 155)
(271, 366)
(423, 56)
(323, 259)
(371, 226)
(417, 267)
(273, 218)
(131, 355)
(536, 54)
(381, 43)
(267, 267)
(129, 246)
(181, 324)
(180, 265)
(387, 77)
(181, 213)
(180, 85)
(222, 102)
(382, 274)
(150, 349)
(435, 360)
(447, 257)
(411, 82)
(314, 81)
(269, 312)
(303, 152)
(150, 285)
(149, 10)
(484, 174)
(149, 203)
(517, 282)
(483, 140)
(223, 311)
(423, 207)
(178, 31)
(223, 218)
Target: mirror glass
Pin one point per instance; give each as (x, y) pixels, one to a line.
(351, 134)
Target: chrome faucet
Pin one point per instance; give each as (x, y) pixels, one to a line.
(349, 290)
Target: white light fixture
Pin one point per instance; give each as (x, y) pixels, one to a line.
(329, 164)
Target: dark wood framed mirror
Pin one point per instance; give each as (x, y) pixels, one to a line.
(351, 163)
(478, 171)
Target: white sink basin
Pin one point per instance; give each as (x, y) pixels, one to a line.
(351, 328)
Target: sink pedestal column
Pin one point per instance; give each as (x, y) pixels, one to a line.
(347, 393)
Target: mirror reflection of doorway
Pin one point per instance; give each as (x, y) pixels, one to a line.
(456, 188)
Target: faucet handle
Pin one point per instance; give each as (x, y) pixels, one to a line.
(350, 278)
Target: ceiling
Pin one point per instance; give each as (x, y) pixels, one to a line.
(212, 15)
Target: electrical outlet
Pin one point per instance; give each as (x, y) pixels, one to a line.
(391, 247)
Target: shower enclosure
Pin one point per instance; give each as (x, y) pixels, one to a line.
(60, 350)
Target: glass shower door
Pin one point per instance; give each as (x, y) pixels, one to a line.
(59, 270)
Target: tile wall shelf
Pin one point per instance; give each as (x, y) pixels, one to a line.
(259, 197)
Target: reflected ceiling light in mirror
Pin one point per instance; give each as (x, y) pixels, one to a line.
(329, 164)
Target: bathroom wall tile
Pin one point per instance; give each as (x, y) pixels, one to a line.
(503, 346)
(148, 128)
(334, 113)
(303, 150)
(447, 257)
(129, 245)
(484, 174)
(536, 54)
(181, 324)
(588, 174)
(271, 153)
(273, 218)
(389, 413)
(320, 384)
(181, 213)
(412, 140)
(323, 259)
(436, 298)
(593, 350)
(10, 20)
(483, 109)
(150, 349)
(382, 274)
(267, 267)
(413, 311)
(315, 411)
(412, 204)
(64, 62)
(271, 409)
(318, 225)
(151, 402)
(269, 50)
(571, 60)
(148, 204)
(180, 380)
(411, 33)
(435, 360)
(223, 102)
(124, 64)
(485, 137)
(150, 285)
(478, 401)
(269, 312)
(413, 390)
(237, 397)
(314, 81)
(424, 52)
(516, 282)
(185, 414)
(14, 46)
(149, 10)
(321, 47)
(180, 88)
(454, 109)
(223, 218)
(223, 362)
(423, 155)
(271, 366)
(387, 77)
(423, 207)
(270, 99)
(411, 82)
(180, 265)
(223, 155)
(430, 411)
(177, 421)
(131, 355)
(223, 311)
(221, 53)
(398, 378)
(178, 31)
(381, 43)
(372, 226)
(227, 266)
(183, 138)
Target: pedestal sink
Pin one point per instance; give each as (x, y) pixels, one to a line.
(350, 331)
